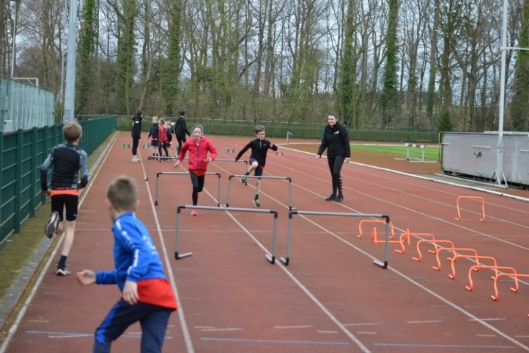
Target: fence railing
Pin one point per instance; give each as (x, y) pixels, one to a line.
(21, 154)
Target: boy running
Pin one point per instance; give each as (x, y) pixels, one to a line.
(146, 295)
(68, 161)
(259, 148)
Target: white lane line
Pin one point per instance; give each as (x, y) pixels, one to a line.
(185, 330)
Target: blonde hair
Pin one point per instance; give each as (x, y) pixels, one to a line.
(155, 119)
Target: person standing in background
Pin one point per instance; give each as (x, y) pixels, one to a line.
(336, 140)
(136, 134)
(153, 135)
(181, 130)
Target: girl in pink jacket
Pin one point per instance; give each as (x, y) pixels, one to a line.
(199, 147)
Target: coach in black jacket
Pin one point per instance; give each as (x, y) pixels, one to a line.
(336, 140)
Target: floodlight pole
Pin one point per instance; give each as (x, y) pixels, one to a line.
(69, 94)
(500, 176)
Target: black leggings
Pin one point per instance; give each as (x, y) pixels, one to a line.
(163, 145)
(198, 185)
(335, 167)
(181, 140)
(135, 142)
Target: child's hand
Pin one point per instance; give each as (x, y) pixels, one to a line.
(86, 277)
(46, 193)
(130, 292)
(177, 163)
(207, 160)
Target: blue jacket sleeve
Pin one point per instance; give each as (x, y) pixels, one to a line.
(106, 277)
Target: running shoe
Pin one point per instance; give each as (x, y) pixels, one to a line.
(339, 198)
(63, 271)
(257, 203)
(244, 180)
(51, 225)
(331, 198)
(194, 212)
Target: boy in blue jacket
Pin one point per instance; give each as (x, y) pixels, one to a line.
(147, 296)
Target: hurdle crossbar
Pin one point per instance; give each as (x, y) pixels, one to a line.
(271, 258)
(186, 173)
(383, 264)
(157, 159)
(260, 177)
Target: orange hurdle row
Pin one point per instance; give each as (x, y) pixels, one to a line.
(471, 197)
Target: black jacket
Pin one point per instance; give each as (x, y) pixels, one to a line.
(336, 140)
(136, 126)
(181, 127)
(259, 150)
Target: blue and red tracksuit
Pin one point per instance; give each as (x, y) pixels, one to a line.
(137, 260)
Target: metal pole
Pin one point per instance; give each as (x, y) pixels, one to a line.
(499, 152)
(69, 96)
(14, 35)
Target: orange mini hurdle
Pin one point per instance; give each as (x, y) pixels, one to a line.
(360, 233)
(477, 258)
(455, 251)
(475, 268)
(431, 241)
(471, 197)
(407, 235)
(514, 276)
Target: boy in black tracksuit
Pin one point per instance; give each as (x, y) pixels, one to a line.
(336, 140)
(259, 147)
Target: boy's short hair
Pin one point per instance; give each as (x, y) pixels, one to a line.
(122, 193)
(259, 128)
(182, 113)
(72, 131)
(154, 118)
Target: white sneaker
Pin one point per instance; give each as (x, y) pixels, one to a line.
(51, 225)
(63, 271)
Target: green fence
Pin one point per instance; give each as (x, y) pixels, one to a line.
(21, 154)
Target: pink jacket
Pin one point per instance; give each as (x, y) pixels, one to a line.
(198, 153)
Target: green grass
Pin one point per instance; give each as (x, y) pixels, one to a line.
(430, 152)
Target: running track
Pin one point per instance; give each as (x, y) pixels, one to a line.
(330, 297)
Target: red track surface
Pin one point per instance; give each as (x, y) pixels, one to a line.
(330, 298)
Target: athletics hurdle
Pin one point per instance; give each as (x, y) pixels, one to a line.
(260, 177)
(471, 198)
(270, 258)
(186, 173)
(383, 264)
(146, 176)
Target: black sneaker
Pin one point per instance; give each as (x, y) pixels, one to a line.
(51, 225)
(331, 198)
(257, 203)
(338, 198)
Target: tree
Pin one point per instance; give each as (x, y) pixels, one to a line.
(87, 53)
(390, 98)
(520, 101)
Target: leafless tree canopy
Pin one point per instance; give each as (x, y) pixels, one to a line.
(278, 60)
